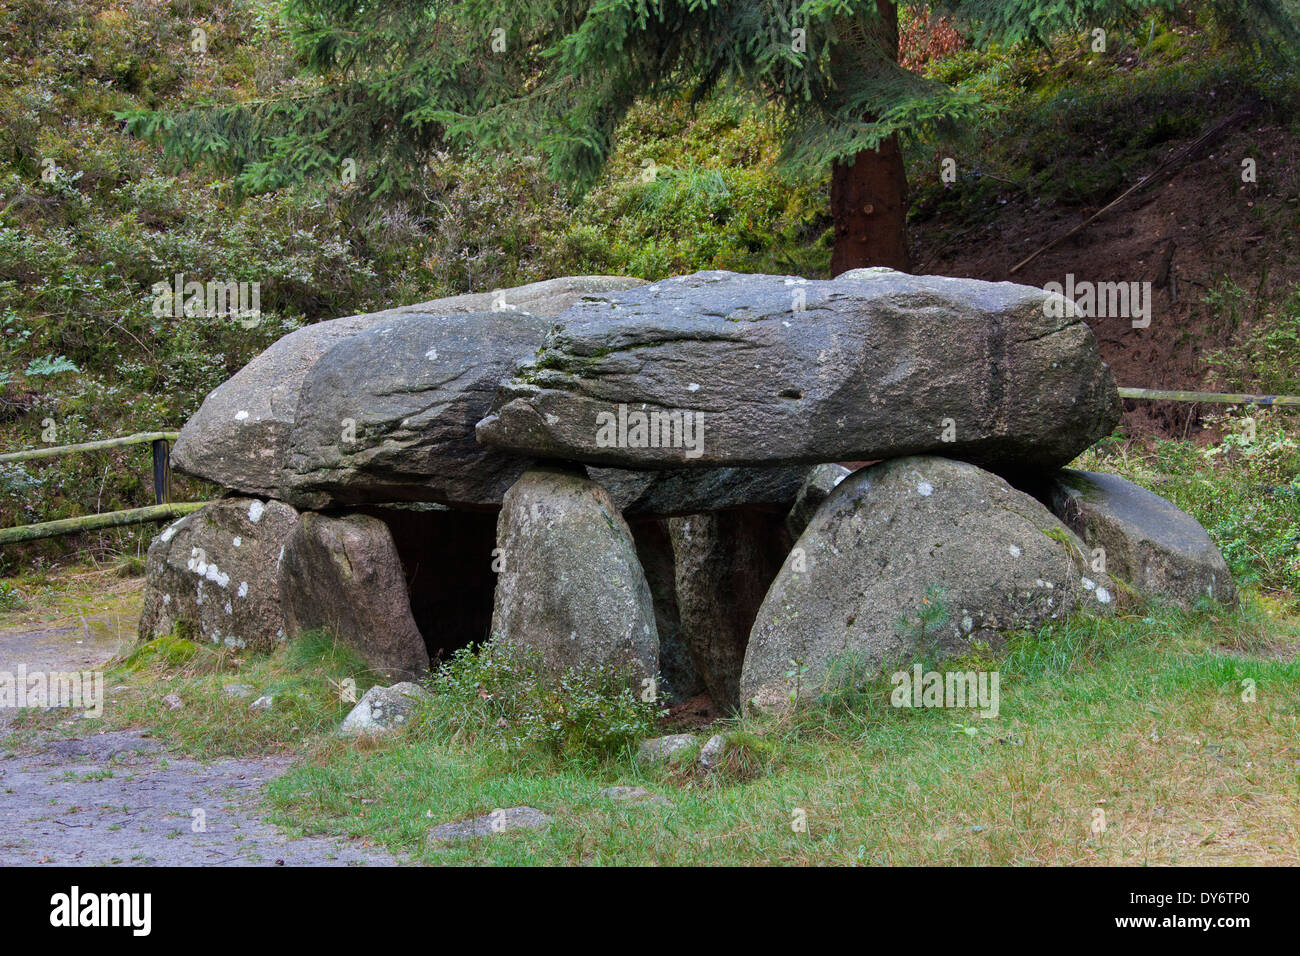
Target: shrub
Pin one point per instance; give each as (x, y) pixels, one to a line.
(504, 693)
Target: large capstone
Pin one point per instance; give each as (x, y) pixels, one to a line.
(212, 575)
(914, 558)
(388, 414)
(239, 438)
(721, 369)
(343, 576)
(1141, 539)
(570, 586)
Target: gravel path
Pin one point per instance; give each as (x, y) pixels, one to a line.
(119, 797)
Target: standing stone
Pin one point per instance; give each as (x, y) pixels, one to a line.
(725, 561)
(1145, 540)
(816, 488)
(213, 574)
(721, 369)
(654, 549)
(239, 438)
(916, 557)
(570, 584)
(343, 575)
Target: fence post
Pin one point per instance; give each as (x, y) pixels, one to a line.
(162, 472)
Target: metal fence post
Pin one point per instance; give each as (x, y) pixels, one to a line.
(162, 472)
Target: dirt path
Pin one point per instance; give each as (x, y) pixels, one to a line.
(118, 797)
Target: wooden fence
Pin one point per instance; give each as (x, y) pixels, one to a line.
(163, 508)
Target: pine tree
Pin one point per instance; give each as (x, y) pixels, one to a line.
(397, 78)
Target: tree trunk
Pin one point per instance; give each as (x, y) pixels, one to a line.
(869, 208)
(869, 195)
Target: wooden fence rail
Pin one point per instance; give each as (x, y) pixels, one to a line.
(163, 508)
(137, 439)
(109, 519)
(1220, 398)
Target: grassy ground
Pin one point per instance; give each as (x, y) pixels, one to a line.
(1147, 718)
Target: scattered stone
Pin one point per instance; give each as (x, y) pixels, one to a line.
(636, 796)
(712, 751)
(490, 824)
(916, 556)
(264, 703)
(173, 702)
(1147, 541)
(213, 573)
(817, 488)
(725, 562)
(344, 575)
(383, 710)
(661, 748)
(240, 436)
(238, 690)
(766, 370)
(570, 585)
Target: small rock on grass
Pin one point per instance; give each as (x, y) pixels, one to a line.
(265, 702)
(173, 701)
(383, 709)
(711, 752)
(237, 690)
(490, 824)
(660, 748)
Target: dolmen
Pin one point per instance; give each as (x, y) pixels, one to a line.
(646, 477)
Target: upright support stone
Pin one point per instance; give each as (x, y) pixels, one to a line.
(726, 560)
(570, 584)
(913, 558)
(212, 575)
(654, 548)
(344, 576)
(1141, 538)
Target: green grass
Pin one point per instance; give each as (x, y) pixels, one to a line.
(1139, 715)
(306, 677)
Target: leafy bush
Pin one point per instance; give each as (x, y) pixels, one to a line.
(10, 598)
(505, 694)
(1266, 356)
